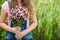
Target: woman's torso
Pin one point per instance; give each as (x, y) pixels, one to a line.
(5, 7)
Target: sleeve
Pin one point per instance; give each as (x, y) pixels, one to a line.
(5, 6)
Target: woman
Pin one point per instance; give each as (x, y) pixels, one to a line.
(25, 34)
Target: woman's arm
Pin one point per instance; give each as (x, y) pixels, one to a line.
(34, 22)
(3, 19)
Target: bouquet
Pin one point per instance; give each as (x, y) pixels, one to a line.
(18, 15)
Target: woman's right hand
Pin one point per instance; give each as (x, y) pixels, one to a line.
(16, 29)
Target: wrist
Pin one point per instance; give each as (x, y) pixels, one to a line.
(26, 31)
(10, 29)
(13, 30)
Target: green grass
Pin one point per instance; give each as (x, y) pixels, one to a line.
(48, 16)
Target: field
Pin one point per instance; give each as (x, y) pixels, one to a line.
(48, 16)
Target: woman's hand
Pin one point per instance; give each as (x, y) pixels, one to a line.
(21, 34)
(16, 29)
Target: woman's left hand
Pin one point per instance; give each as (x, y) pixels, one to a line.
(21, 34)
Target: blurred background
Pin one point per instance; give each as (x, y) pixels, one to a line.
(48, 16)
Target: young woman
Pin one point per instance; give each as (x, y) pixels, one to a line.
(26, 28)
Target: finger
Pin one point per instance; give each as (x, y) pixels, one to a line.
(15, 29)
(17, 36)
(18, 28)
